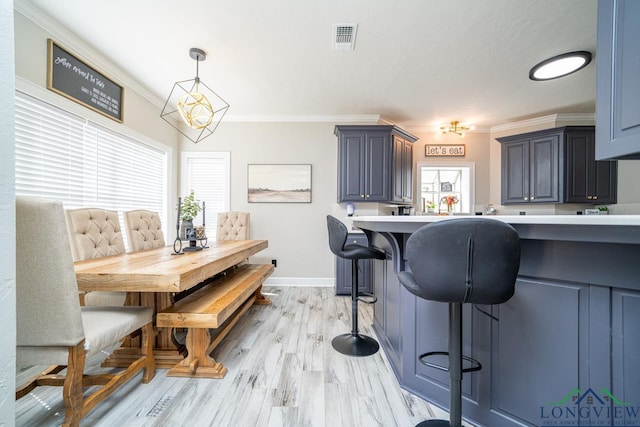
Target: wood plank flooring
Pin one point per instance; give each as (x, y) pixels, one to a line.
(283, 372)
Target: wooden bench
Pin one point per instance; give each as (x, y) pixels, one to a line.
(219, 304)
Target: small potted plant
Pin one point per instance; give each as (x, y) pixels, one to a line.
(189, 209)
(430, 206)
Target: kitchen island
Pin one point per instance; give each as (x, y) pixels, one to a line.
(565, 350)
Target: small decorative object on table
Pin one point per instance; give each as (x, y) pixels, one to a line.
(449, 200)
(188, 209)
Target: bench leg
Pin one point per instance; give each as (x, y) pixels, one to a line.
(198, 364)
(260, 298)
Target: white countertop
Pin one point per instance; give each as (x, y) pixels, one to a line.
(618, 220)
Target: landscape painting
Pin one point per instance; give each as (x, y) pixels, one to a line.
(279, 183)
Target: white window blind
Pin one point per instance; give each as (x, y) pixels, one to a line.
(208, 175)
(64, 157)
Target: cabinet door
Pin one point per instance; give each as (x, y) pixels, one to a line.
(607, 181)
(544, 175)
(580, 173)
(407, 171)
(618, 80)
(625, 347)
(539, 350)
(515, 172)
(377, 166)
(402, 170)
(588, 180)
(352, 167)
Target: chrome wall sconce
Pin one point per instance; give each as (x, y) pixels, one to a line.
(456, 127)
(192, 107)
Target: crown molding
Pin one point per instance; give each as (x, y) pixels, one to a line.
(328, 118)
(77, 46)
(550, 120)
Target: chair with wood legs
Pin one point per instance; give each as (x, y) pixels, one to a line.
(52, 329)
(96, 233)
(458, 261)
(354, 343)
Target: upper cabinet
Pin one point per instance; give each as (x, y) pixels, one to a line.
(556, 166)
(375, 164)
(618, 80)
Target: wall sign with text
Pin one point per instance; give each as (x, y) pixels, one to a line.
(72, 78)
(444, 150)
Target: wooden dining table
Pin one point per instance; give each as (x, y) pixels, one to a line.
(154, 278)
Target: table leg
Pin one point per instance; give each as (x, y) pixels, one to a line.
(198, 364)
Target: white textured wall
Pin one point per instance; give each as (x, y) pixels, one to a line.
(7, 219)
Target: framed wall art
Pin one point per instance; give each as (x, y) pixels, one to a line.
(279, 183)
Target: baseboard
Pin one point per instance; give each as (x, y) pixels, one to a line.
(325, 282)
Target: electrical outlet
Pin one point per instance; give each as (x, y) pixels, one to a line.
(274, 262)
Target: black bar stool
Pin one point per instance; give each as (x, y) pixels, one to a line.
(352, 344)
(462, 260)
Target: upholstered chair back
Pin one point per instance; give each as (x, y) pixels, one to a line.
(144, 230)
(96, 233)
(233, 226)
(47, 306)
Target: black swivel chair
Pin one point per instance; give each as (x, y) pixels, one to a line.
(352, 344)
(462, 260)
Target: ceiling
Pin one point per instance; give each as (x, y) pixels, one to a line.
(416, 63)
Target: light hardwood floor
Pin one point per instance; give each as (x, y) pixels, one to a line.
(283, 371)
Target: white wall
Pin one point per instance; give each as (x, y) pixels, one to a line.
(7, 219)
(297, 232)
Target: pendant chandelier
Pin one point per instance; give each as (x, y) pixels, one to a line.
(192, 107)
(456, 127)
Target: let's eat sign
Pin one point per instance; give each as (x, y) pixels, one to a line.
(444, 150)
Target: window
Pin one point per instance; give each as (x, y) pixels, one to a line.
(439, 180)
(61, 156)
(208, 175)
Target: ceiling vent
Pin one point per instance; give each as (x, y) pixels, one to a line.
(344, 36)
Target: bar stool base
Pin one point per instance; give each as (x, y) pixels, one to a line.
(355, 345)
(434, 423)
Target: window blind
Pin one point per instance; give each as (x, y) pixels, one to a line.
(64, 157)
(208, 175)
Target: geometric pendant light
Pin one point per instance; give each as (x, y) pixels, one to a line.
(192, 107)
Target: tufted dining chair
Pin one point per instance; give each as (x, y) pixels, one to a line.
(144, 230)
(52, 329)
(95, 233)
(233, 226)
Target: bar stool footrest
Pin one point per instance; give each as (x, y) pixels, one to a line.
(475, 365)
(373, 299)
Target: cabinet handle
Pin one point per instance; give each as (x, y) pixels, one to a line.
(362, 196)
(595, 197)
(368, 196)
(526, 198)
(589, 197)
(531, 197)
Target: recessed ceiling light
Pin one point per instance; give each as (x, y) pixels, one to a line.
(560, 65)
